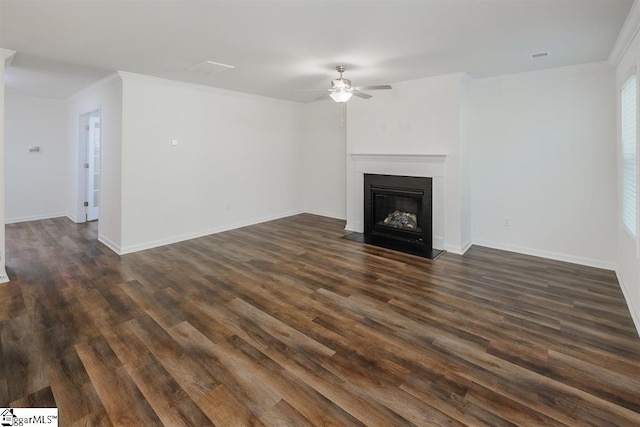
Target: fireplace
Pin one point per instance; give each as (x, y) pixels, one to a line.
(398, 212)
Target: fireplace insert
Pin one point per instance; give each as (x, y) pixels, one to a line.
(398, 212)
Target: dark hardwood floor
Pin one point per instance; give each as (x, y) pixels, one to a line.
(285, 323)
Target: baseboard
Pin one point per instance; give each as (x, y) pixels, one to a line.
(326, 214)
(357, 227)
(33, 218)
(635, 314)
(458, 250)
(175, 239)
(73, 218)
(4, 277)
(607, 265)
(437, 242)
(110, 244)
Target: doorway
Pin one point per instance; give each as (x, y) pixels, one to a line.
(89, 150)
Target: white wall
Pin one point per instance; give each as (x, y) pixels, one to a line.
(4, 55)
(324, 152)
(421, 116)
(106, 96)
(36, 183)
(628, 256)
(237, 161)
(544, 157)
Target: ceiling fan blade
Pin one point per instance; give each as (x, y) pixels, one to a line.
(323, 96)
(308, 90)
(378, 87)
(361, 94)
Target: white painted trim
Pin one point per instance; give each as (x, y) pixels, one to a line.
(407, 158)
(100, 84)
(4, 278)
(589, 262)
(627, 34)
(421, 165)
(453, 249)
(154, 244)
(125, 75)
(635, 314)
(73, 218)
(34, 218)
(8, 56)
(568, 69)
(458, 250)
(108, 243)
(326, 214)
(460, 75)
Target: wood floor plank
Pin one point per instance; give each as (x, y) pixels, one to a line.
(184, 367)
(123, 401)
(283, 414)
(236, 373)
(70, 383)
(24, 368)
(224, 409)
(286, 323)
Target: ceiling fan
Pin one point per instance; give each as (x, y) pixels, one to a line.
(341, 89)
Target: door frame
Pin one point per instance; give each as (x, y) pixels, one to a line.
(83, 120)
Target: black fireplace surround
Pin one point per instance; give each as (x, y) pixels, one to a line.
(398, 213)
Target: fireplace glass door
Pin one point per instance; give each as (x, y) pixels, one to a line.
(392, 211)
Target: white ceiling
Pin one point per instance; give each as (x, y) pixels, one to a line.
(277, 46)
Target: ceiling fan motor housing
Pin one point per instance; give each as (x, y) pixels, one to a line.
(341, 83)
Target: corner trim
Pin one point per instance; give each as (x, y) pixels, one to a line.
(628, 32)
(458, 250)
(7, 55)
(100, 84)
(635, 314)
(110, 244)
(73, 218)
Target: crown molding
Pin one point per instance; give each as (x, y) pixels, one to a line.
(627, 34)
(126, 75)
(567, 69)
(7, 55)
(100, 84)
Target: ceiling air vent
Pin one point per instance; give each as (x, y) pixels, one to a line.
(538, 56)
(210, 67)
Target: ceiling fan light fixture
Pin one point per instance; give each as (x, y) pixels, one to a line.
(341, 96)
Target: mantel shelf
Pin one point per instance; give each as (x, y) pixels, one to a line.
(422, 158)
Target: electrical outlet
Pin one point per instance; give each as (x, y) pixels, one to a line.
(506, 222)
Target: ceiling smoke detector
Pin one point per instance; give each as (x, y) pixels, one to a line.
(210, 67)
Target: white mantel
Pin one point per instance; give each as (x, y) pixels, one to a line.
(420, 165)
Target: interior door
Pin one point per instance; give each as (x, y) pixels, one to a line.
(93, 166)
